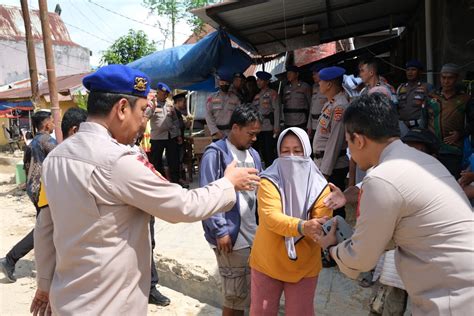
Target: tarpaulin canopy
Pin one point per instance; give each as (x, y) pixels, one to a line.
(192, 66)
(8, 106)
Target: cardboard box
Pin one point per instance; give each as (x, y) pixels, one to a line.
(200, 143)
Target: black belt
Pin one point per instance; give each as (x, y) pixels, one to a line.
(315, 116)
(320, 154)
(295, 111)
(270, 116)
(412, 123)
(223, 127)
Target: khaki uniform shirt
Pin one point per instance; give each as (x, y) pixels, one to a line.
(411, 198)
(163, 123)
(268, 104)
(219, 108)
(296, 103)
(101, 195)
(411, 97)
(330, 136)
(317, 102)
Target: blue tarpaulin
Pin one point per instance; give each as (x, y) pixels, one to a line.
(20, 105)
(192, 66)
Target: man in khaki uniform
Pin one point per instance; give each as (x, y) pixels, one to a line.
(317, 102)
(101, 194)
(296, 100)
(267, 102)
(219, 108)
(329, 145)
(412, 95)
(410, 198)
(164, 134)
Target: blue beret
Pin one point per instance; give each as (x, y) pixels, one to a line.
(118, 79)
(330, 73)
(414, 64)
(225, 76)
(163, 87)
(239, 75)
(263, 75)
(292, 68)
(317, 68)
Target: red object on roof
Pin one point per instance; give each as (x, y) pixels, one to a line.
(304, 56)
(12, 27)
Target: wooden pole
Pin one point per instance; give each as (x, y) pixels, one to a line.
(50, 68)
(30, 46)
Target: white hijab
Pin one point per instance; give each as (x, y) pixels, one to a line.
(299, 182)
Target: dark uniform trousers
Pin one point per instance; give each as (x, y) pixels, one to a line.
(154, 273)
(266, 145)
(22, 247)
(338, 178)
(158, 146)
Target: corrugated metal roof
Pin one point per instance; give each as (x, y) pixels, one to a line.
(12, 26)
(274, 26)
(64, 85)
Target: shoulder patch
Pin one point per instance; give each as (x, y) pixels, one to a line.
(338, 113)
(147, 164)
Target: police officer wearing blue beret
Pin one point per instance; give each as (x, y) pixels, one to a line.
(329, 144)
(412, 95)
(267, 102)
(101, 194)
(164, 133)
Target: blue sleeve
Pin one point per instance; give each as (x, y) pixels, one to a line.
(211, 169)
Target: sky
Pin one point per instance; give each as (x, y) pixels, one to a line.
(93, 27)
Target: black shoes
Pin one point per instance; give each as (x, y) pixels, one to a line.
(157, 298)
(8, 270)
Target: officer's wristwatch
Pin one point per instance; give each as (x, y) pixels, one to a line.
(327, 252)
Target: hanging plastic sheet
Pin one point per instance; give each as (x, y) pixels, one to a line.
(193, 66)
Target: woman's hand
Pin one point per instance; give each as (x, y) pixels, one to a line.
(330, 239)
(313, 228)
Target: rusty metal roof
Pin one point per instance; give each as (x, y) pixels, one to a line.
(12, 26)
(64, 84)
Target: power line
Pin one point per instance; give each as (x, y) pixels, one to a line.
(87, 18)
(101, 19)
(123, 16)
(39, 56)
(82, 30)
(132, 19)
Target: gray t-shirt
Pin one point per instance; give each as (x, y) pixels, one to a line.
(247, 201)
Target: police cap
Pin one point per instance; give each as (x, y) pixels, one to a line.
(238, 75)
(263, 75)
(414, 63)
(292, 68)
(450, 68)
(163, 87)
(224, 76)
(118, 79)
(181, 95)
(422, 136)
(330, 73)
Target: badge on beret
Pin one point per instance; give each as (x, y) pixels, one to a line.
(140, 84)
(338, 112)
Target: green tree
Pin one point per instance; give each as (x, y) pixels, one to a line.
(128, 48)
(176, 10)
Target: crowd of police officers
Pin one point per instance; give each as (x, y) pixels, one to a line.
(318, 109)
